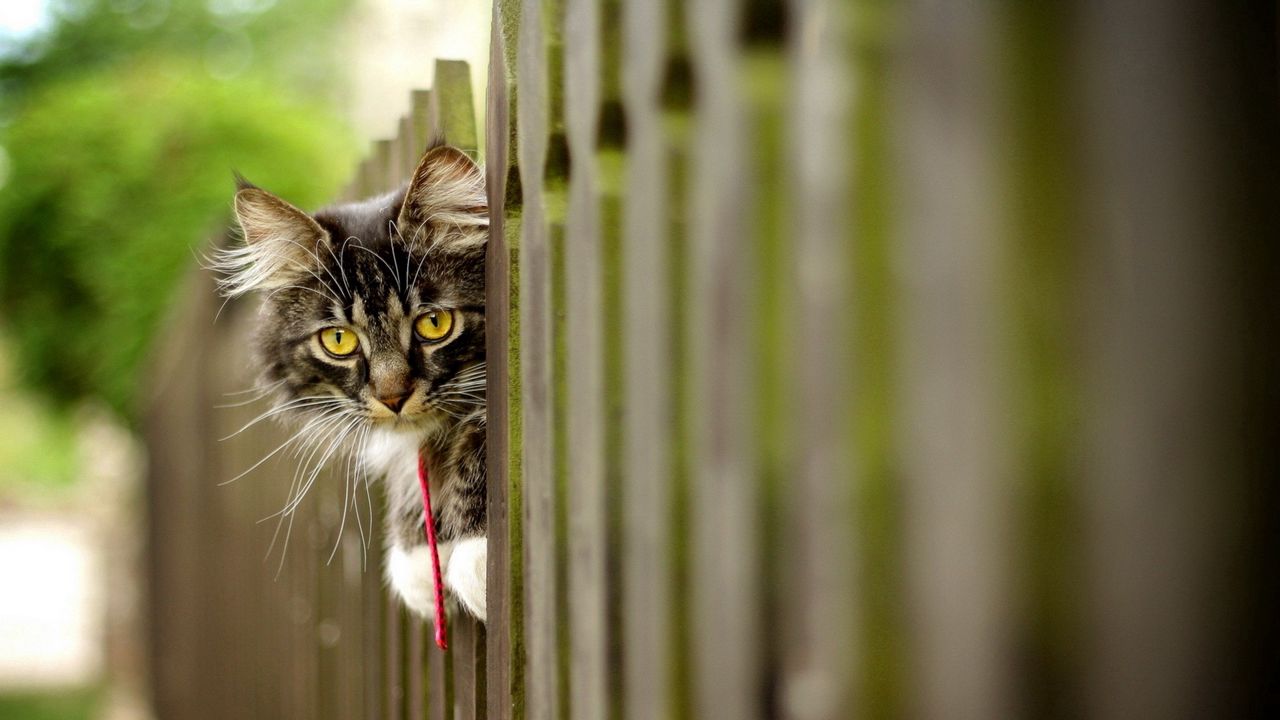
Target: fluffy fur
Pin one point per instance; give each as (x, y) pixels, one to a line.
(375, 269)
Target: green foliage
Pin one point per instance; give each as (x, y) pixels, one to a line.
(116, 180)
(283, 39)
(121, 123)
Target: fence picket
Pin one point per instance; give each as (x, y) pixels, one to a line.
(452, 111)
(504, 652)
(1171, 219)
(537, 465)
(584, 351)
(955, 480)
(438, 698)
(647, 540)
(721, 306)
(817, 544)
(468, 670)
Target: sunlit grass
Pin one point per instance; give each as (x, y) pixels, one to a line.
(37, 443)
(62, 704)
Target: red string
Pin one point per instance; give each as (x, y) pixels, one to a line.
(442, 641)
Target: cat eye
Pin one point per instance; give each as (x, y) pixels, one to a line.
(339, 341)
(434, 325)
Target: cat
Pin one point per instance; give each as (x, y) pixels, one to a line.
(373, 322)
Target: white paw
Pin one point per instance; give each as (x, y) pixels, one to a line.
(466, 574)
(410, 576)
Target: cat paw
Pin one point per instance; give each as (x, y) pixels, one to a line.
(409, 572)
(467, 573)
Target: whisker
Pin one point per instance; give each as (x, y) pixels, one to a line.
(341, 268)
(273, 453)
(342, 525)
(322, 266)
(312, 441)
(253, 389)
(353, 478)
(362, 472)
(318, 438)
(319, 465)
(261, 392)
(348, 499)
(393, 230)
(416, 273)
(322, 296)
(298, 403)
(380, 258)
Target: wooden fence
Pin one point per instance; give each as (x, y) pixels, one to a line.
(846, 359)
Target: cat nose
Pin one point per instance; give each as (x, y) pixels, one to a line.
(394, 402)
(389, 379)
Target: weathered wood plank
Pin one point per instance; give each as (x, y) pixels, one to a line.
(307, 568)
(817, 554)
(1180, 209)
(301, 619)
(480, 663)
(407, 151)
(420, 120)
(439, 706)
(215, 646)
(417, 680)
(468, 669)
(504, 665)
(373, 609)
(952, 419)
(453, 110)
(393, 651)
(262, 661)
(177, 432)
(676, 97)
(721, 348)
(225, 560)
(240, 506)
(647, 346)
(347, 564)
(584, 327)
(536, 369)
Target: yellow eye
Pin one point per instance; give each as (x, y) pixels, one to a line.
(339, 341)
(434, 324)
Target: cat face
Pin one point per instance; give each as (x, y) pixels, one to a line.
(373, 312)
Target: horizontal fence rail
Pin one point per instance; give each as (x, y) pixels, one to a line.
(846, 359)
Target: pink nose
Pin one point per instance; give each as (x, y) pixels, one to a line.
(395, 402)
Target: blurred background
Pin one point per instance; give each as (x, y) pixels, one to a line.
(1044, 337)
(120, 124)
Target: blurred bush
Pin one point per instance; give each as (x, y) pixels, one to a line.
(121, 137)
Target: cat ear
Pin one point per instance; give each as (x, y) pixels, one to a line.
(280, 243)
(447, 189)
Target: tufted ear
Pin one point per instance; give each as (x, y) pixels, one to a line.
(447, 189)
(280, 243)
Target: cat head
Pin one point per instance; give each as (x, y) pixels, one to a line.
(372, 312)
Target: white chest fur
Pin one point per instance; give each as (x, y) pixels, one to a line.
(394, 456)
